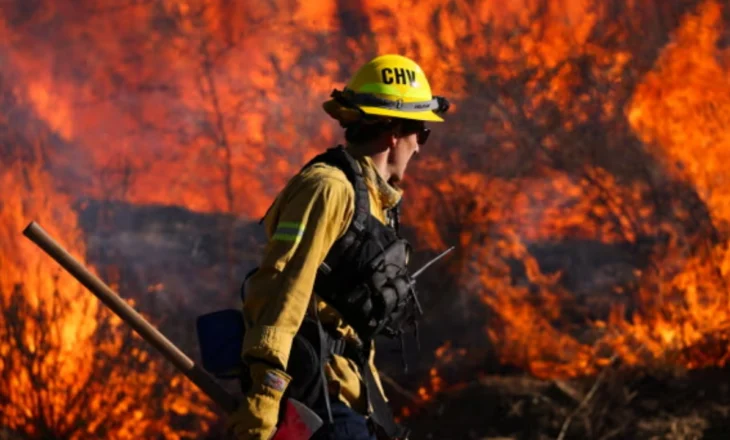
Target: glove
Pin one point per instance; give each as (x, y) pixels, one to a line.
(258, 414)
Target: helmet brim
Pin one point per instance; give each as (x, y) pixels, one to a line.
(428, 116)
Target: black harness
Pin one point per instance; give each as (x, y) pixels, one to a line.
(359, 268)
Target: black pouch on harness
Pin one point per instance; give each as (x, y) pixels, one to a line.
(304, 364)
(220, 338)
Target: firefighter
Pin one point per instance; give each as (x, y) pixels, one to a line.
(325, 229)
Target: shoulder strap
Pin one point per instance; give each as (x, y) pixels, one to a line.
(394, 217)
(340, 158)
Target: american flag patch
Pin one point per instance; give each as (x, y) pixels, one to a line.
(273, 381)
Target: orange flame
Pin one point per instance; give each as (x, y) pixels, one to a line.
(68, 367)
(679, 316)
(680, 110)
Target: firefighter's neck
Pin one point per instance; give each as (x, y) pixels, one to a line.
(378, 152)
(380, 160)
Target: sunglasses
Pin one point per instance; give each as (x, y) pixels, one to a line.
(423, 135)
(418, 128)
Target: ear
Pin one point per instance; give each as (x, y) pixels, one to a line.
(392, 139)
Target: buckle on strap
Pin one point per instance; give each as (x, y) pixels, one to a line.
(349, 349)
(337, 346)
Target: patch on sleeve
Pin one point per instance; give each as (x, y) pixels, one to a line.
(271, 380)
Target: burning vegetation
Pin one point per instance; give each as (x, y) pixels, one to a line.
(69, 367)
(580, 177)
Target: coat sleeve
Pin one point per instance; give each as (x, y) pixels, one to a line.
(310, 216)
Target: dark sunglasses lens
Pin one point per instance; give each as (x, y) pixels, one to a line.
(423, 136)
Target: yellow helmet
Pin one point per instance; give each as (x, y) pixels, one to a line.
(387, 86)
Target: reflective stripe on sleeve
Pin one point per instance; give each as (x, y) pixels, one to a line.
(288, 231)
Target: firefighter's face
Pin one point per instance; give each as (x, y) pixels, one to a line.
(405, 146)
